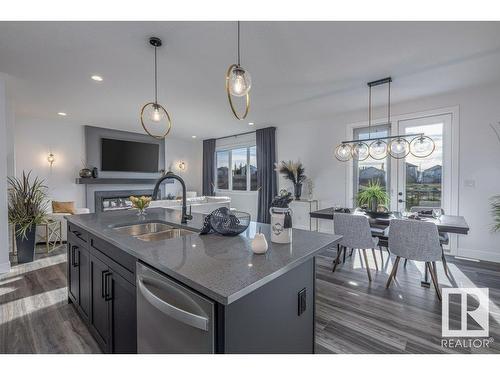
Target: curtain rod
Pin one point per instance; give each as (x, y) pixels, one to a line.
(236, 135)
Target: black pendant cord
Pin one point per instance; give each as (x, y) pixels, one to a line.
(156, 81)
(389, 103)
(238, 43)
(370, 113)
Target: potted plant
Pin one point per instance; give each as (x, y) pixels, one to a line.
(293, 171)
(495, 210)
(27, 209)
(372, 196)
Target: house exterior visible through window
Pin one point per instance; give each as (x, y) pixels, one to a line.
(237, 169)
(371, 170)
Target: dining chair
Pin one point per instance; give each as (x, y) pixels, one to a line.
(356, 234)
(415, 240)
(444, 239)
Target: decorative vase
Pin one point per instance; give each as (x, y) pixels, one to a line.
(281, 225)
(297, 191)
(373, 206)
(26, 246)
(85, 173)
(95, 172)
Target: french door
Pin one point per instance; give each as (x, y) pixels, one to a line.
(425, 181)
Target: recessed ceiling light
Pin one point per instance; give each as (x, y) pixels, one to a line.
(193, 136)
(62, 113)
(96, 78)
(251, 123)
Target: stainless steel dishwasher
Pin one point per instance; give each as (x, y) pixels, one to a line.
(170, 317)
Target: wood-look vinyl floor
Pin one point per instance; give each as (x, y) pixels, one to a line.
(35, 316)
(352, 315)
(355, 316)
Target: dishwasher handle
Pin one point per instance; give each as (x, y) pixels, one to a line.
(174, 312)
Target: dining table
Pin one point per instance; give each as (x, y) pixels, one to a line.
(452, 224)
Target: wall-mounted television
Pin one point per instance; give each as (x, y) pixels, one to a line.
(129, 156)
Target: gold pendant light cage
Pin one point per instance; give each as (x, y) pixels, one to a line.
(155, 119)
(238, 84)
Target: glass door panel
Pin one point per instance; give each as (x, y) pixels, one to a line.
(421, 180)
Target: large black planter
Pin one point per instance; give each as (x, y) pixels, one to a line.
(26, 246)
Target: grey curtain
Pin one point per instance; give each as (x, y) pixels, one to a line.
(208, 167)
(266, 175)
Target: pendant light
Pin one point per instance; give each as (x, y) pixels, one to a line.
(155, 119)
(378, 148)
(422, 146)
(238, 83)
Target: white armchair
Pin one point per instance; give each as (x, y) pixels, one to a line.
(40, 231)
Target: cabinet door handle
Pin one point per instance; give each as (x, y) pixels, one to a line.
(102, 284)
(108, 295)
(73, 256)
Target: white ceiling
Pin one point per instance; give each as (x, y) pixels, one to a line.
(300, 70)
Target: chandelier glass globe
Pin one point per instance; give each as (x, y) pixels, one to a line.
(343, 152)
(378, 149)
(399, 148)
(422, 146)
(360, 151)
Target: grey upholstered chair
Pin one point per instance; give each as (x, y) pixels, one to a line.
(415, 240)
(356, 233)
(444, 239)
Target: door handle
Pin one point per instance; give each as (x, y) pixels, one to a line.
(174, 312)
(103, 285)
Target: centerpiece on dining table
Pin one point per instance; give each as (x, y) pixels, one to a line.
(373, 199)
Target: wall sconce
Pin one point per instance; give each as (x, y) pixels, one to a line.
(51, 159)
(181, 166)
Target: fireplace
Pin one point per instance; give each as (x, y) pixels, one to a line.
(116, 199)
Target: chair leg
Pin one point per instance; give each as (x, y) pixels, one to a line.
(375, 259)
(337, 258)
(406, 261)
(367, 266)
(393, 272)
(350, 254)
(345, 251)
(432, 271)
(445, 264)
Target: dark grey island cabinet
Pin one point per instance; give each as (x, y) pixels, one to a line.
(191, 293)
(102, 291)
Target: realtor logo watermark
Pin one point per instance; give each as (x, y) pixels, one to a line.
(465, 335)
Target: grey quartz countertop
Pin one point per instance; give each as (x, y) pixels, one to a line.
(223, 268)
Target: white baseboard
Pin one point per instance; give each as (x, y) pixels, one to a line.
(4, 267)
(490, 256)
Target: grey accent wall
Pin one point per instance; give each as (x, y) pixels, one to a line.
(93, 137)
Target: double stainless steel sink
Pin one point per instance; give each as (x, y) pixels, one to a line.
(153, 231)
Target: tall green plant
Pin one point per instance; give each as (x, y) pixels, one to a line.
(27, 203)
(373, 191)
(495, 211)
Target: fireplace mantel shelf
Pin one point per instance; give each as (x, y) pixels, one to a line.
(115, 181)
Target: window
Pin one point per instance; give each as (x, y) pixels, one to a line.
(223, 170)
(371, 170)
(239, 163)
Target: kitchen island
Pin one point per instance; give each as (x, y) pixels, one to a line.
(254, 303)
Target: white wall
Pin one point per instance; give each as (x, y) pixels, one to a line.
(4, 236)
(35, 138)
(313, 143)
(191, 153)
